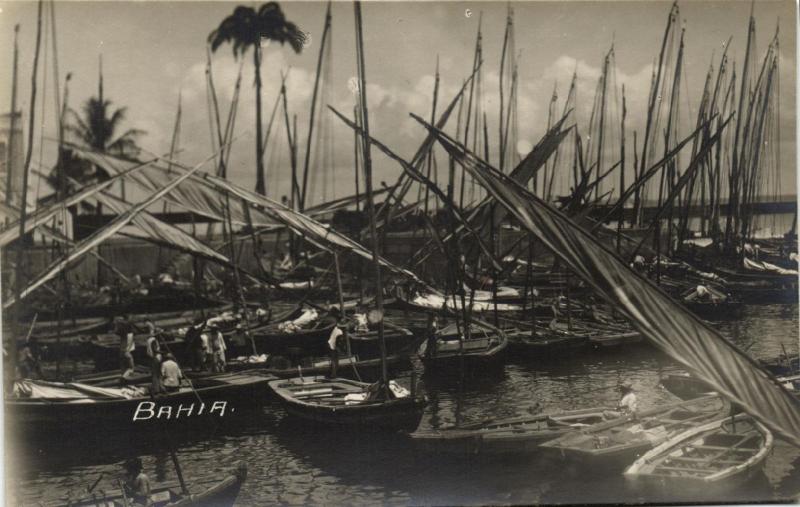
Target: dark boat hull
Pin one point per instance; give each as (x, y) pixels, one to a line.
(213, 403)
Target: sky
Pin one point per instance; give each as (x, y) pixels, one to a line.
(154, 50)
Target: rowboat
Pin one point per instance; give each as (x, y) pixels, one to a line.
(349, 366)
(517, 435)
(722, 450)
(484, 347)
(686, 387)
(619, 441)
(545, 342)
(345, 402)
(204, 493)
(70, 408)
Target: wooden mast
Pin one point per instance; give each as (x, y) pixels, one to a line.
(23, 207)
(12, 119)
(314, 105)
(367, 160)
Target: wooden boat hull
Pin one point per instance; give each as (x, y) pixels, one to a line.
(232, 393)
(521, 435)
(213, 494)
(542, 345)
(697, 455)
(618, 442)
(398, 414)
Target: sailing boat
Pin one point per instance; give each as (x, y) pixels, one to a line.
(384, 404)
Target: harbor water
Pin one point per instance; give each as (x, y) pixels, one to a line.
(291, 463)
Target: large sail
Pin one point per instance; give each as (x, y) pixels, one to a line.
(98, 237)
(665, 323)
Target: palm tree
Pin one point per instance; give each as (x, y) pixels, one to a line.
(97, 128)
(245, 28)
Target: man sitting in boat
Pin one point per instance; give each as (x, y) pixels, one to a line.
(137, 483)
(171, 374)
(628, 404)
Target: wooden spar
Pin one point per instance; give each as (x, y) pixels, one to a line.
(602, 119)
(325, 30)
(550, 112)
(475, 63)
(261, 176)
(295, 194)
(621, 169)
(23, 208)
(365, 139)
(433, 120)
(356, 147)
(673, 14)
(173, 145)
(12, 121)
(502, 71)
(669, 167)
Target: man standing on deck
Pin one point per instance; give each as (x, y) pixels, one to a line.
(336, 332)
(218, 349)
(154, 354)
(125, 329)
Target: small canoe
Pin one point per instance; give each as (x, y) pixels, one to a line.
(344, 402)
(619, 441)
(733, 448)
(546, 342)
(517, 435)
(203, 493)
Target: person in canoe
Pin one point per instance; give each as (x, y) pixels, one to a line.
(137, 484)
(171, 374)
(154, 354)
(628, 405)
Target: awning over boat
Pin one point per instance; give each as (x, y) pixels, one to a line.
(96, 238)
(205, 194)
(665, 323)
(150, 228)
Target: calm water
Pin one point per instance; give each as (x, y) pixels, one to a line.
(289, 463)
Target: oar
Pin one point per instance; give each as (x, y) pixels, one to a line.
(91, 488)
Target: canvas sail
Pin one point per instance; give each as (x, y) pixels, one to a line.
(665, 323)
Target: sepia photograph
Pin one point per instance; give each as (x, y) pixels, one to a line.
(399, 252)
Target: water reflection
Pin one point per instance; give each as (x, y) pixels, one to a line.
(293, 463)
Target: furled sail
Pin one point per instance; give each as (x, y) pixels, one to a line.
(665, 323)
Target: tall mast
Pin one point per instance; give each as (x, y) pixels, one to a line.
(621, 170)
(12, 120)
(314, 105)
(23, 205)
(367, 160)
